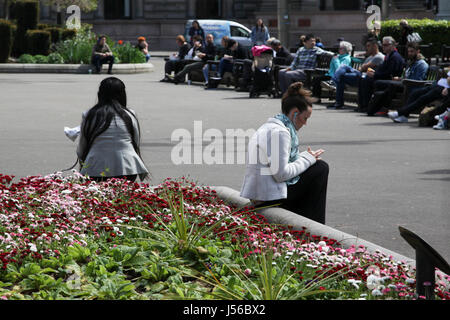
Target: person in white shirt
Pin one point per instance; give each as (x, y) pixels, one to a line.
(277, 172)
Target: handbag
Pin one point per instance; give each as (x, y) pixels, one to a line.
(414, 37)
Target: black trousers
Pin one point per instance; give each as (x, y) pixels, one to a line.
(98, 61)
(131, 178)
(316, 87)
(365, 92)
(419, 99)
(308, 196)
(174, 65)
(385, 91)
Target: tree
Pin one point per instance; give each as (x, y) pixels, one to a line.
(85, 6)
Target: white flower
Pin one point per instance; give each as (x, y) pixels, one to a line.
(372, 282)
(354, 282)
(32, 247)
(376, 292)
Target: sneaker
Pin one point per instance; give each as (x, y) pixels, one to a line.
(392, 114)
(383, 112)
(401, 119)
(328, 85)
(441, 125)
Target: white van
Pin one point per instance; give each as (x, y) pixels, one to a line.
(220, 28)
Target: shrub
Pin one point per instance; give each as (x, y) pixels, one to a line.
(78, 49)
(6, 39)
(38, 42)
(27, 15)
(126, 53)
(26, 58)
(40, 59)
(43, 26)
(55, 34)
(431, 31)
(55, 58)
(68, 34)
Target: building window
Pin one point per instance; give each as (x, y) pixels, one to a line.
(347, 4)
(117, 9)
(208, 9)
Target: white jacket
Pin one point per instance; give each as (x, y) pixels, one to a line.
(268, 166)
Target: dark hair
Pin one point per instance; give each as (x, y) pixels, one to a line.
(112, 100)
(413, 45)
(262, 24)
(198, 24)
(197, 38)
(231, 43)
(309, 36)
(296, 97)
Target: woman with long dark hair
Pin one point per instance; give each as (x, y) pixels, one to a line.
(260, 33)
(110, 136)
(277, 172)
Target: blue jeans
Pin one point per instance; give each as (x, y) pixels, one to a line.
(224, 66)
(206, 71)
(345, 75)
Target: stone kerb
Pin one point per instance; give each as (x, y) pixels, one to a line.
(285, 217)
(125, 68)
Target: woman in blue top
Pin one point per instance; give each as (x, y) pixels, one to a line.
(259, 34)
(343, 58)
(196, 30)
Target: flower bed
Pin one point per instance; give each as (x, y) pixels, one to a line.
(71, 238)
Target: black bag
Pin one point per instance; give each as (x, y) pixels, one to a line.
(213, 82)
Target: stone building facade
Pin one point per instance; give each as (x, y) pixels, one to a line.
(161, 20)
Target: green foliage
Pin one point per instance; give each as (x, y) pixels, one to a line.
(431, 31)
(6, 39)
(26, 58)
(27, 17)
(55, 33)
(55, 58)
(128, 53)
(38, 42)
(79, 48)
(68, 34)
(40, 58)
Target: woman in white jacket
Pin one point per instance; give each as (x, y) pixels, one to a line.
(277, 172)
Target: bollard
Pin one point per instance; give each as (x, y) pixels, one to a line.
(427, 259)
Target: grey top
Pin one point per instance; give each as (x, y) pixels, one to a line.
(112, 153)
(375, 59)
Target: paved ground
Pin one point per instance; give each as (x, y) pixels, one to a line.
(382, 175)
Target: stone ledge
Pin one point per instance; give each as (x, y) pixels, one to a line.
(123, 68)
(285, 217)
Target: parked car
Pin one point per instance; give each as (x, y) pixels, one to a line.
(220, 28)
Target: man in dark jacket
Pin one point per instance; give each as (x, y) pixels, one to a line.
(385, 90)
(391, 67)
(282, 55)
(204, 53)
(237, 52)
(176, 61)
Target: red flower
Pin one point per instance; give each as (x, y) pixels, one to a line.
(120, 42)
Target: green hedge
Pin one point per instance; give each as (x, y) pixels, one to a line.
(431, 31)
(6, 39)
(68, 34)
(38, 42)
(27, 17)
(55, 34)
